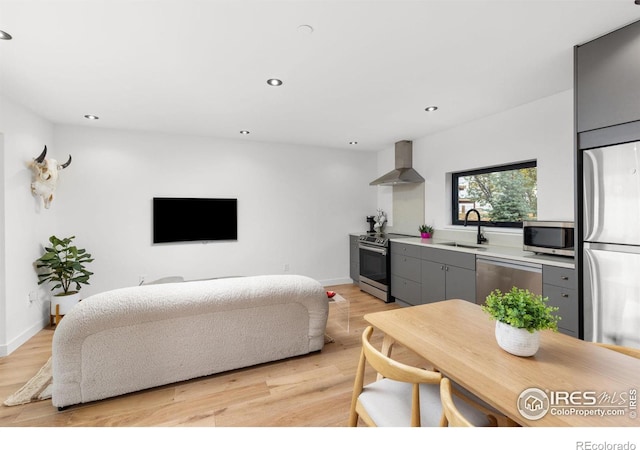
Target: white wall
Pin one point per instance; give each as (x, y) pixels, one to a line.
(296, 205)
(541, 130)
(26, 224)
(3, 297)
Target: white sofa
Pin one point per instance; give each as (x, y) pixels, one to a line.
(136, 338)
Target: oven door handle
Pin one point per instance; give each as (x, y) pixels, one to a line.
(382, 251)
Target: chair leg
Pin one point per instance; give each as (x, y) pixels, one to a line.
(353, 419)
(357, 389)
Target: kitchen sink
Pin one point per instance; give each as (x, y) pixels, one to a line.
(461, 245)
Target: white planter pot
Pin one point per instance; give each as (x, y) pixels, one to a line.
(66, 302)
(517, 341)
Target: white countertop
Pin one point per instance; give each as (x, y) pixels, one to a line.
(493, 251)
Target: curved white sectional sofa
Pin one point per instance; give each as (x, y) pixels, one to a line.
(130, 339)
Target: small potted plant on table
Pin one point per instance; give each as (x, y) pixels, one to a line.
(426, 231)
(519, 316)
(63, 265)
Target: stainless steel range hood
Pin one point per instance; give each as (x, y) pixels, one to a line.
(404, 173)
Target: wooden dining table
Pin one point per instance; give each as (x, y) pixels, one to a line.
(568, 382)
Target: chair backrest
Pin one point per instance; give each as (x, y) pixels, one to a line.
(630, 351)
(393, 370)
(452, 415)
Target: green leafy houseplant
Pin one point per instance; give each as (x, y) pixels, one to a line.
(425, 229)
(63, 265)
(521, 309)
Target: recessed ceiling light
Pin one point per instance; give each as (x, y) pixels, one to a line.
(353, 143)
(91, 117)
(306, 29)
(274, 82)
(431, 108)
(4, 35)
(637, 2)
(244, 132)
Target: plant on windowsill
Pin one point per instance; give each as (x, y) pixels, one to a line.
(63, 265)
(426, 231)
(520, 315)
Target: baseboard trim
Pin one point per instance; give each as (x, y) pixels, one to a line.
(15, 343)
(336, 281)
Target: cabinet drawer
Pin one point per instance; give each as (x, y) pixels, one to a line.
(406, 290)
(559, 276)
(567, 301)
(406, 267)
(406, 249)
(450, 257)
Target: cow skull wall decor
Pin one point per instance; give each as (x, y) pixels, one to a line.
(46, 176)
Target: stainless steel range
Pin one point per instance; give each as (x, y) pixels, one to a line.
(375, 262)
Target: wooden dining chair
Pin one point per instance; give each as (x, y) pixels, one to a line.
(404, 396)
(629, 351)
(451, 416)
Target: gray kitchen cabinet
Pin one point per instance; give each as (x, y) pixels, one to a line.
(559, 284)
(608, 79)
(406, 273)
(434, 281)
(447, 274)
(405, 292)
(354, 259)
(461, 283)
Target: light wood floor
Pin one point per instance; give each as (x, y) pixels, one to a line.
(307, 391)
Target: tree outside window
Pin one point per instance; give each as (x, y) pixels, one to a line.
(504, 195)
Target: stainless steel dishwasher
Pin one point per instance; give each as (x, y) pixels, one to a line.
(498, 273)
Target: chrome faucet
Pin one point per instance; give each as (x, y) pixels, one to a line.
(481, 238)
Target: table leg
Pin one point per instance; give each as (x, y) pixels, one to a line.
(387, 346)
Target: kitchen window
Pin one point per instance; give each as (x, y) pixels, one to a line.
(503, 195)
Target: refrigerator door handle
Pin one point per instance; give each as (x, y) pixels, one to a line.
(620, 248)
(591, 297)
(591, 200)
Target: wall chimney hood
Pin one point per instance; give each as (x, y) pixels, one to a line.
(403, 173)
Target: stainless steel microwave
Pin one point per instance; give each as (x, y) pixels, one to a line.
(553, 238)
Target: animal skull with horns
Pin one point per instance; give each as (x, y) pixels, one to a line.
(46, 176)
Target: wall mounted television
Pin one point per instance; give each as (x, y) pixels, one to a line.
(194, 219)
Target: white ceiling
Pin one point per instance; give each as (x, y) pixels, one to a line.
(366, 73)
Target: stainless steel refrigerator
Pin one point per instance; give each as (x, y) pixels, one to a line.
(611, 244)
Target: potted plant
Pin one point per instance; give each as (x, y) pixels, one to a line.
(520, 315)
(426, 231)
(63, 265)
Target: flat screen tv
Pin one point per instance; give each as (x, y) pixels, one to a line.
(194, 219)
